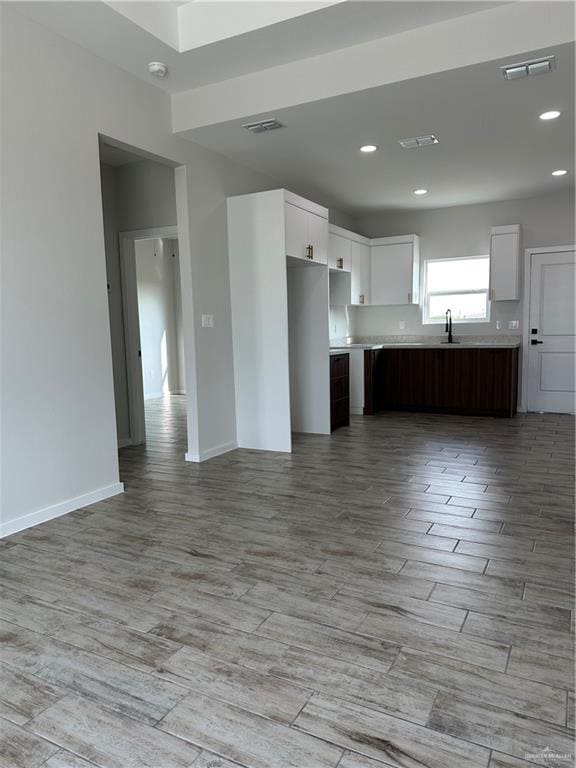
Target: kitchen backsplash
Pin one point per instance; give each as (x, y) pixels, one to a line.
(385, 321)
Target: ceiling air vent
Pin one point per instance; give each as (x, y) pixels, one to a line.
(527, 68)
(419, 141)
(262, 126)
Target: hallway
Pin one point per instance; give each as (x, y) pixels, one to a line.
(398, 594)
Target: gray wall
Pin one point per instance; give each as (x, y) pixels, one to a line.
(56, 367)
(463, 231)
(146, 195)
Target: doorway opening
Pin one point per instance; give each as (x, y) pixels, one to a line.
(144, 296)
(153, 327)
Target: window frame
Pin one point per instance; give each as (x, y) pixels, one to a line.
(426, 294)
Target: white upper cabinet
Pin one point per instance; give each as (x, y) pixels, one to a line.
(360, 258)
(339, 251)
(318, 237)
(505, 263)
(395, 270)
(296, 231)
(306, 230)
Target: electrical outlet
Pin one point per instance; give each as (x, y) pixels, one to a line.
(402, 325)
(513, 325)
(207, 321)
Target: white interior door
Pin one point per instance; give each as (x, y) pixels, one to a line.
(551, 350)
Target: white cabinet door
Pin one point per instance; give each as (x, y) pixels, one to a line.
(318, 237)
(296, 231)
(505, 263)
(360, 258)
(306, 234)
(392, 275)
(339, 249)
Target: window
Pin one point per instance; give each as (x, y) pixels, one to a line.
(460, 285)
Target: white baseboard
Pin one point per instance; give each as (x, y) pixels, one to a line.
(211, 452)
(356, 411)
(123, 442)
(57, 510)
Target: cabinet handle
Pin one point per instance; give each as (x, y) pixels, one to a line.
(491, 294)
(310, 251)
(409, 298)
(361, 298)
(340, 263)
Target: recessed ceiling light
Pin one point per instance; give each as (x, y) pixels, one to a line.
(551, 115)
(157, 68)
(560, 172)
(368, 148)
(420, 191)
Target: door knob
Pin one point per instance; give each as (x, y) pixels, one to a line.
(534, 341)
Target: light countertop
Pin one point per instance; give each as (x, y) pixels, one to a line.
(433, 344)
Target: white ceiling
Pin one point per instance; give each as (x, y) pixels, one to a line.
(493, 146)
(97, 27)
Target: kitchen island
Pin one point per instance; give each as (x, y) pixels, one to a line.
(396, 373)
(470, 377)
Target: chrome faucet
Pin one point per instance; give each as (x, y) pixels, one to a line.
(448, 326)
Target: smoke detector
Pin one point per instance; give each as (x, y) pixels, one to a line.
(419, 141)
(262, 126)
(157, 69)
(528, 68)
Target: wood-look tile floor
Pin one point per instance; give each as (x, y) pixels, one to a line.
(398, 594)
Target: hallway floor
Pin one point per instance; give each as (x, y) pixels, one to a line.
(399, 594)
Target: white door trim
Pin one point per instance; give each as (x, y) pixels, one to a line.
(528, 252)
(130, 318)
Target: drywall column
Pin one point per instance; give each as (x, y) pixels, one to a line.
(258, 282)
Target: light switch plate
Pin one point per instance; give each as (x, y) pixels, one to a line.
(402, 325)
(513, 325)
(207, 321)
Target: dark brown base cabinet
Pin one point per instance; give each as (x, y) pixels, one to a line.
(339, 391)
(466, 381)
